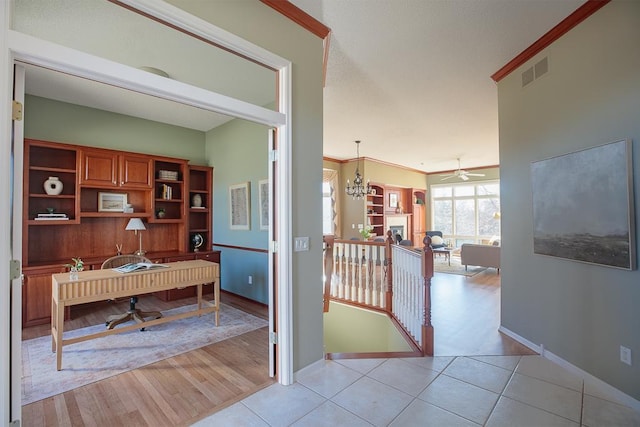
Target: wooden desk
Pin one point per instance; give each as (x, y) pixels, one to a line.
(99, 285)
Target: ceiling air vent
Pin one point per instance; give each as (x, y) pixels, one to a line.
(535, 72)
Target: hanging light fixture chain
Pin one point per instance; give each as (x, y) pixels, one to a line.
(358, 190)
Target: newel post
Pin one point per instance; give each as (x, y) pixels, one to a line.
(427, 272)
(389, 275)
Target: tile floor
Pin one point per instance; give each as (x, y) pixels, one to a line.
(439, 391)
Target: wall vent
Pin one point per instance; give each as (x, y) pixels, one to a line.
(535, 72)
(527, 77)
(541, 67)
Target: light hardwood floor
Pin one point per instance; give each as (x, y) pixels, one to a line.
(173, 392)
(466, 316)
(186, 388)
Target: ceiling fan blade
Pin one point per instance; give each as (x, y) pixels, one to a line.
(464, 177)
(474, 174)
(446, 177)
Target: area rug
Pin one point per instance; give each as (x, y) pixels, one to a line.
(440, 265)
(89, 361)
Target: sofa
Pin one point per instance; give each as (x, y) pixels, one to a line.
(480, 255)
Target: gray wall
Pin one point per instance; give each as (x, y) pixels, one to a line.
(590, 96)
(259, 24)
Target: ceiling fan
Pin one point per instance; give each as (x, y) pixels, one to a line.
(460, 173)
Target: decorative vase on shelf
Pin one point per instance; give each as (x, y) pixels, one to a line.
(53, 186)
(196, 201)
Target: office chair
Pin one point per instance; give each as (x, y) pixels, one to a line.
(133, 313)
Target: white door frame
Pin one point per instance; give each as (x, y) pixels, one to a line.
(17, 46)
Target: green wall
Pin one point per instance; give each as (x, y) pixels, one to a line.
(394, 176)
(579, 312)
(353, 211)
(238, 152)
(349, 329)
(51, 120)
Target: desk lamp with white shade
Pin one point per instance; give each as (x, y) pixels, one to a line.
(136, 225)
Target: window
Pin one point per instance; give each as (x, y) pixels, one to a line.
(330, 208)
(327, 209)
(466, 213)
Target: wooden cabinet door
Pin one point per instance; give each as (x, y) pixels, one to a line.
(419, 224)
(136, 171)
(36, 299)
(105, 168)
(99, 167)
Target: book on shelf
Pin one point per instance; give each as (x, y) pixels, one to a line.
(167, 192)
(138, 266)
(52, 215)
(51, 218)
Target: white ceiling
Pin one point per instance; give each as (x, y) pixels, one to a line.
(74, 90)
(411, 78)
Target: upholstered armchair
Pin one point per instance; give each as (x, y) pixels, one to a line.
(436, 239)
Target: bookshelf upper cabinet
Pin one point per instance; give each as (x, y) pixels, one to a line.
(169, 204)
(200, 223)
(45, 163)
(109, 169)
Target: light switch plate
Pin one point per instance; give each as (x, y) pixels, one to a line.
(300, 244)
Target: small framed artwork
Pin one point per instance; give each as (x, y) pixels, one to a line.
(393, 200)
(112, 202)
(263, 196)
(239, 208)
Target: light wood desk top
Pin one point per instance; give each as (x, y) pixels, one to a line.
(100, 285)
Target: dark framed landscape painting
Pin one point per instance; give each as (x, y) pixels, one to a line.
(583, 206)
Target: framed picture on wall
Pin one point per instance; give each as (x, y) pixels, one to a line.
(263, 199)
(583, 206)
(111, 202)
(239, 208)
(393, 200)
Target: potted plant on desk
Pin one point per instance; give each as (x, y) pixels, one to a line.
(75, 267)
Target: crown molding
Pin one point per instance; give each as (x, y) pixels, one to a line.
(307, 22)
(580, 14)
(404, 167)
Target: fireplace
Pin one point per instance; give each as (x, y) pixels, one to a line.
(398, 224)
(397, 230)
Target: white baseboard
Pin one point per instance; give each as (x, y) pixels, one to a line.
(620, 396)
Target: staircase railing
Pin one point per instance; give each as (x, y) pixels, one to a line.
(386, 277)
